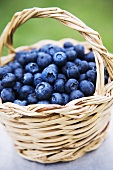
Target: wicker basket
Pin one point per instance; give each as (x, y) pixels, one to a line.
(53, 133)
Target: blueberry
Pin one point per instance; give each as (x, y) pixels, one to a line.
(49, 74)
(31, 56)
(82, 77)
(76, 94)
(54, 66)
(66, 66)
(71, 84)
(21, 57)
(43, 90)
(68, 44)
(62, 76)
(83, 66)
(80, 51)
(37, 78)
(77, 61)
(105, 79)
(17, 87)
(65, 98)
(4, 70)
(59, 85)
(14, 65)
(45, 48)
(25, 91)
(89, 57)
(73, 72)
(92, 65)
(32, 68)
(1, 87)
(71, 55)
(87, 87)
(19, 72)
(43, 59)
(56, 98)
(43, 102)
(8, 80)
(28, 78)
(32, 98)
(7, 95)
(50, 49)
(20, 102)
(60, 58)
(91, 76)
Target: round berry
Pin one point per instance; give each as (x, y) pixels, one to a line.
(82, 77)
(91, 76)
(1, 87)
(76, 94)
(43, 59)
(71, 55)
(56, 98)
(80, 51)
(19, 73)
(37, 78)
(72, 84)
(65, 98)
(14, 65)
(43, 102)
(59, 85)
(83, 66)
(43, 90)
(87, 87)
(32, 68)
(25, 91)
(66, 66)
(92, 65)
(89, 57)
(73, 72)
(4, 70)
(68, 44)
(17, 87)
(62, 76)
(7, 95)
(28, 78)
(60, 58)
(8, 80)
(32, 98)
(21, 57)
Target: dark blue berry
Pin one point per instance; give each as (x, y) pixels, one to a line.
(65, 98)
(7, 95)
(91, 76)
(80, 51)
(25, 91)
(56, 98)
(28, 78)
(14, 65)
(92, 65)
(83, 66)
(82, 77)
(20, 102)
(32, 98)
(8, 80)
(49, 74)
(87, 87)
(62, 76)
(17, 87)
(37, 78)
(21, 57)
(76, 94)
(66, 66)
(43, 59)
(43, 102)
(72, 84)
(59, 85)
(60, 58)
(50, 49)
(31, 56)
(89, 57)
(43, 90)
(19, 72)
(32, 68)
(77, 61)
(4, 70)
(68, 44)
(71, 55)
(73, 72)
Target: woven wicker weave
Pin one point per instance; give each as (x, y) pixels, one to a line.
(52, 133)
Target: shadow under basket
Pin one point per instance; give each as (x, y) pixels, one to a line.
(50, 133)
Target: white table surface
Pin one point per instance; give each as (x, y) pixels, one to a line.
(100, 159)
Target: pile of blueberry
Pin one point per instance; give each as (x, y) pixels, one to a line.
(51, 74)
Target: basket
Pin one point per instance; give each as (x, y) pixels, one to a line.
(52, 133)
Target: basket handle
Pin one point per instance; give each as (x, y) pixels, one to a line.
(69, 20)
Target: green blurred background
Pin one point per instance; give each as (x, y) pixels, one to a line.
(97, 14)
